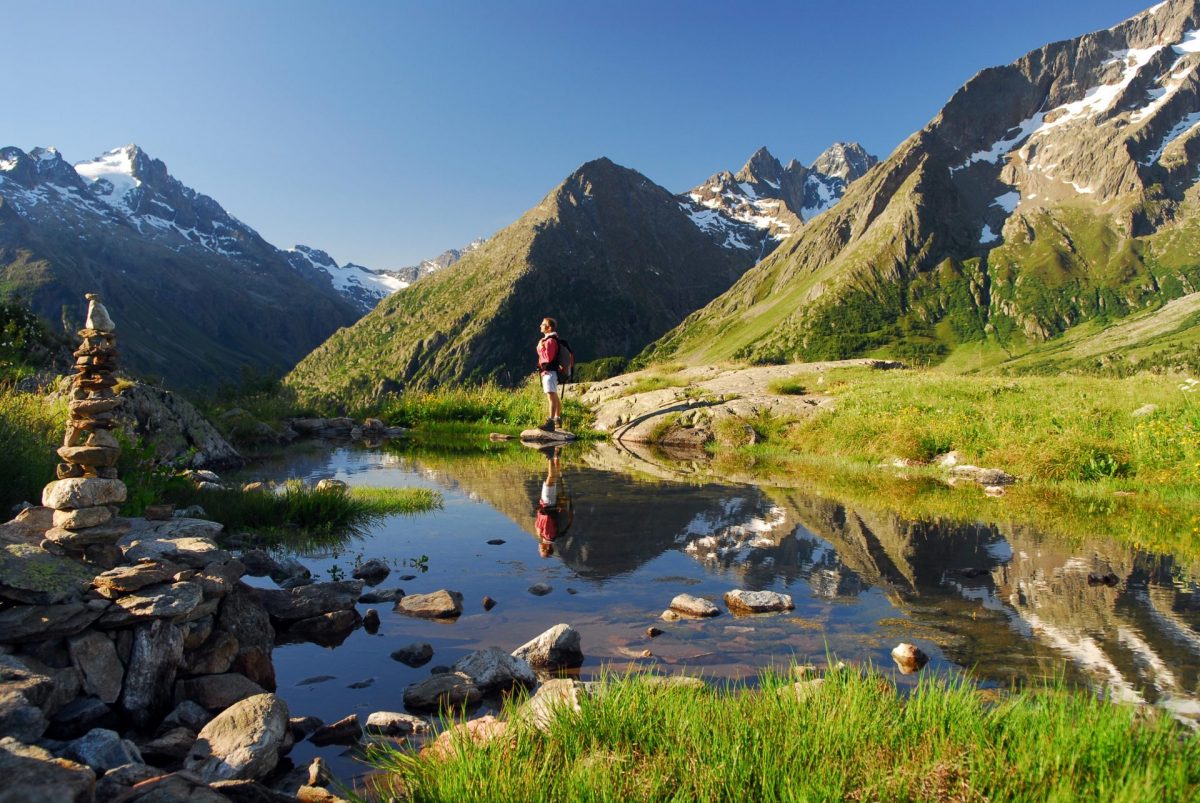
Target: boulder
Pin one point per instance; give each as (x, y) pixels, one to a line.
(175, 428)
(909, 658)
(416, 654)
(81, 492)
(174, 745)
(173, 601)
(217, 692)
(241, 616)
(102, 750)
(740, 601)
(213, 657)
(540, 589)
(185, 715)
(95, 656)
(242, 742)
(310, 600)
(78, 717)
(473, 732)
(329, 485)
(557, 647)
(19, 718)
(48, 687)
(18, 676)
(694, 606)
(394, 723)
(258, 563)
(448, 690)
(558, 694)
(381, 595)
(31, 575)
(101, 535)
(117, 782)
(345, 731)
(495, 670)
(123, 580)
(193, 552)
(153, 662)
(441, 604)
(372, 572)
(33, 775)
(22, 623)
(175, 787)
(83, 517)
(301, 727)
(327, 629)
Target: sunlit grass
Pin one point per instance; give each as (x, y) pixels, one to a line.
(852, 737)
(31, 426)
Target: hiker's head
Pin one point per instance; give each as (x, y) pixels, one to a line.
(545, 550)
(549, 325)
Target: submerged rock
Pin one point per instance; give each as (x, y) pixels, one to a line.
(441, 604)
(909, 658)
(414, 655)
(447, 690)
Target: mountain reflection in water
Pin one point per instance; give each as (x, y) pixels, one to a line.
(1005, 604)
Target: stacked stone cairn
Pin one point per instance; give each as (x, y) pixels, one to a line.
(87, 492)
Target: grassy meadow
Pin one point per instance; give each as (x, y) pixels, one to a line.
(849, 736)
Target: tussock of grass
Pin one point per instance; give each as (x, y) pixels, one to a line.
(851, 738)
(790, 386)
(299, 507)
(30, 428)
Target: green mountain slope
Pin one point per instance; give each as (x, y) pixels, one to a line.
(1056, 190)
(608, 253)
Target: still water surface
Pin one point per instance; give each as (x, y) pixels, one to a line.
(1001, 604)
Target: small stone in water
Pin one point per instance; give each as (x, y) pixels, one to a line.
(572, 591)
(314, 680)
(653, 632)
(488, 603)
(361, 684)
(1096, 579)
(647, 654)
(408, 577)
(540, 589)
(496, 542)
(371, 620)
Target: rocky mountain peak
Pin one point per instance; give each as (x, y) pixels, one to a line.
(761, 166)
(844, 160)
(39, 166)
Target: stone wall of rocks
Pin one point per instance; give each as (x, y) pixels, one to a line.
(147, 676)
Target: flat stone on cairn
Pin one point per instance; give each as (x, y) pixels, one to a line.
(88, 484)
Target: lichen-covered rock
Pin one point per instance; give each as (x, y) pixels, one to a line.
(174, 427)
(33, 576)
(153, 602)
(242, 742)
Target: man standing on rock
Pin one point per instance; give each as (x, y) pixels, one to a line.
(547, 355)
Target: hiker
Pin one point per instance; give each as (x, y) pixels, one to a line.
(554, 512)
(547, 355)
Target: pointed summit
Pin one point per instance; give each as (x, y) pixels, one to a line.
(761, 166)
(844, 160)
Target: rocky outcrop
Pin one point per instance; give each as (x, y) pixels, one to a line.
(558, 647)
(242, 742)
(177, 431)
(705, 403)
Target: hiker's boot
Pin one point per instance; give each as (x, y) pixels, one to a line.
(557, 422)
(548, 426)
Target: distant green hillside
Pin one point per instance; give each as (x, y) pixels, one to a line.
(608, 253)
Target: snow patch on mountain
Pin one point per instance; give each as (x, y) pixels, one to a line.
(111, 177)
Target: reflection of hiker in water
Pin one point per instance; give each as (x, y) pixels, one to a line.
(554, 512)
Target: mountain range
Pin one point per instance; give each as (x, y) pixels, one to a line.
(1055, 190)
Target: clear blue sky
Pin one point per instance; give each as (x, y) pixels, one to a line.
(386, 132)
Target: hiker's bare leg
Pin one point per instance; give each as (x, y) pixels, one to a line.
(555, 405)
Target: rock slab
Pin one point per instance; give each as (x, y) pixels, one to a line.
(242, 742)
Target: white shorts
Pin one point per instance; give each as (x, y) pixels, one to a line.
(550, 382)
(549, 494)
